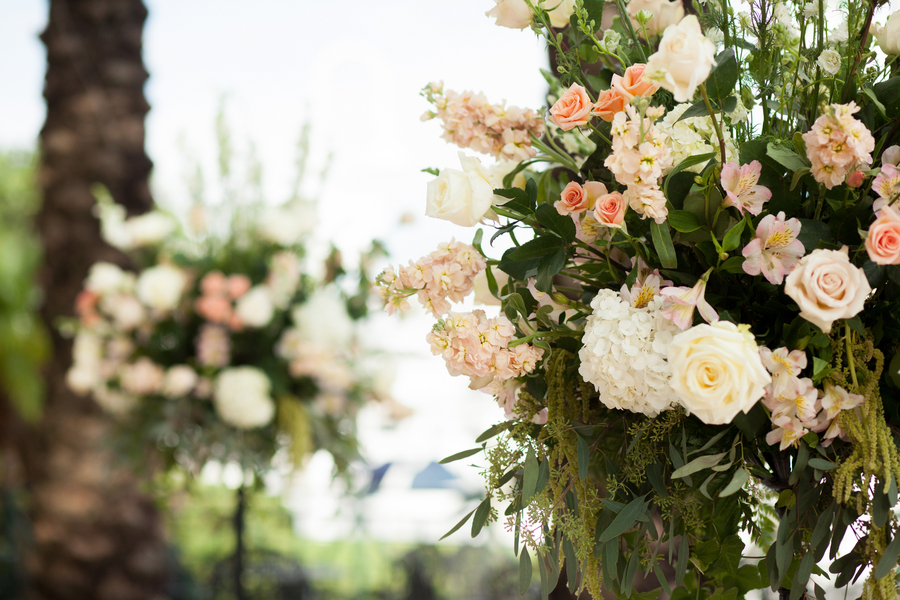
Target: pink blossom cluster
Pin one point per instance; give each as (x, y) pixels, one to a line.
(639, 159)
(446, 274)
(478, 347)
(838, 145)
(795, 404)
(470, 121)
(217, 296)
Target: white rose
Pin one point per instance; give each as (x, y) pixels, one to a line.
(461, 197)
(827, 287)
(242, 397)
(180, 381)
(161, 287)
(148, 229)
(255, 308)
(560, 15)
(503, 168)
(684, 59)
(514, 14)
(126, 310)
(664, 13)
(323, 320)
(107, 278)
(889, 36)
(829, 61)
(717, 371)
(285, 225)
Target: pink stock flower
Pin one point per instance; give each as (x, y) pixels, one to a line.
(572, 109)
(213, 308)
(838, 144)
(883, 239)
(238, 285)
(776, 250)
(741, 189)
(681, 302)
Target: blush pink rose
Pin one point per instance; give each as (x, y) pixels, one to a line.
(609, 209)
(213, 283)
(238, 286)
(633, 83)
(609, 102)
(572, 200)
(883, 241)
(215, 309)
(572, 109)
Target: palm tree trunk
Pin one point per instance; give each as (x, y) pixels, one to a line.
(95, 535)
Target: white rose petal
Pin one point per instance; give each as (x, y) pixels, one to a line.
(255, 308)
(242, 397)
(461, 197)
(147, 230)
(161, 287)
(684, 59)
(514, 14)
(107, 278)
(889, 36)
(180, 381)
(829, 61)
(717, 371)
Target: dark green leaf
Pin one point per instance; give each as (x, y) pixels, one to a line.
(734, 264)
(519, 200)
(683, 552)
(624, 520)
(737, 483)
(722, 78)
(801, 576)
(875, 273)
(561, 225)
(822, 464)
(799, 464)
(525, 570)
(811, 232)
(458, 525)
(698, 464)
(683, 221)
(537, 248)
(543, 477)
(571, 564)
(663, 580)
(662, 241)
(822, 529)
(481, 515)
(460, 455)
(881, 507)
(654, 475)
(548, 268)
(690, 161)
(786, 157)
(584, 455)
(889, 558)
(493, 430)
(733, 237)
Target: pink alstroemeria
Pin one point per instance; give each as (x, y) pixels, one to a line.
(784, 367)
(798, 399)
(643, 291)
(681, 301)
(741, 189)
(776, 250)
(788, 431)
(886, 185)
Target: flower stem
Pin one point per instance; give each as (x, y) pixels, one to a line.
(715, 123)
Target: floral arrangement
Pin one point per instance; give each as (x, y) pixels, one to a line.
(697, 268)
(222, 347)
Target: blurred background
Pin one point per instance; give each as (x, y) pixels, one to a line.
(348, 73)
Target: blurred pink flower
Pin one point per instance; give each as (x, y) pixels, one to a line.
(238, 285)
(213, 346)
(213, 308)
(213, 283)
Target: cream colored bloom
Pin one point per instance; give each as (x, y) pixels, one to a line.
(242, 397)
(827, 287)
(664, 13)
(514, 14)
(829, 61)
(255, 308)
(717, 371)
(180, 381)
(889, 36)
(562, 11)
(684, 59)
(161, 287)
(461, 197)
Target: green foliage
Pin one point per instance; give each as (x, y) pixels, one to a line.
(23, 341)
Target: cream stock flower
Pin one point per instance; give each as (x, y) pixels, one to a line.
(684, 59)
(461, 197)
(829, 61)
(717, 371)
(827, 287)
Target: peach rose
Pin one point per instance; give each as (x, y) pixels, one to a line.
(213, 282)
(216, 309)
(609, 209)
(572, 109)
(633, 83)
(883, 241)
(238, 285)
(572, 200)
(827, 287)
(609, 102)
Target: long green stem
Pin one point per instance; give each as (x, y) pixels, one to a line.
(712, 117)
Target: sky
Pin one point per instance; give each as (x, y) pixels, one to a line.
(352, 70)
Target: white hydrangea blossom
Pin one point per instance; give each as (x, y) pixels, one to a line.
(694, 135)
(624, 354)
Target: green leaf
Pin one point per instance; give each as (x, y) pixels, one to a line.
(812, 232)
(458, 525)
(698, 109)
(822, 529)
(539, 247)
(786, 157)
(683, 221)
(683, 553)
(662, 241)
(571, 564)
(698, 464)
(584, 455)
(721, 79)
(525, 570)
(460, 455)
(800, 463)
(561, 225)
(734, 264)
(543, 477)
(493, 430)
(481, 515)
(798, 175)
(871, 94)
(662, 579)
(801, 576)
(822, 464)
(654, 475)
(881, 508)
(529, 478)
(624, 520)
(519, 200)
(889, 558)
(548, 268)
(733, 237)
(737, 482)
(690, 161)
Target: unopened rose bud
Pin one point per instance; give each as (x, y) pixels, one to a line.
(855, 179)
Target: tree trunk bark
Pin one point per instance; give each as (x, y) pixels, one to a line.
(95, 535)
